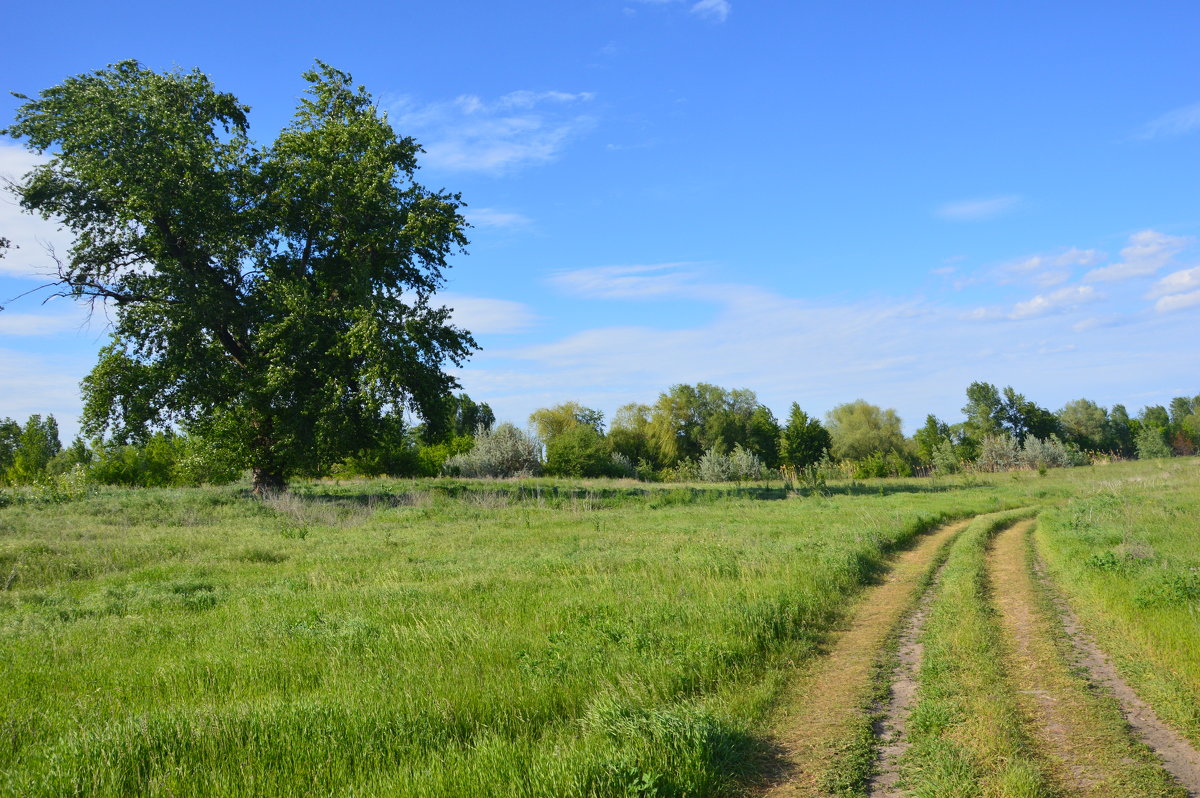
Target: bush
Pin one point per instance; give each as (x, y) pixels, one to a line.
(1151, 443)
(739, 465)
(1002, 453)
(578, 451)
(503, 452)
(945, 458)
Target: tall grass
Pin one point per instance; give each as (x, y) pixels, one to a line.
(427, 639)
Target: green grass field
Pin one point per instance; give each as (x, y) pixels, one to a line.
(429, 638)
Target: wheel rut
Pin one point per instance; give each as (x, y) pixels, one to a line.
(1079, 735)
(1178, 756)
(892, 728)
(830, 702)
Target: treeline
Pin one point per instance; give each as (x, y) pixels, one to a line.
(705, 432)
(696, 432)
(32, 453)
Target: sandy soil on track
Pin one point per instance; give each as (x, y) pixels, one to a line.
(828, 700)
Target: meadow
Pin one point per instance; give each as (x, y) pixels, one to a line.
(436, 638)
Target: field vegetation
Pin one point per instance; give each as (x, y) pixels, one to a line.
(429, 638)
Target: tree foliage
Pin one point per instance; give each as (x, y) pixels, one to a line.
(859, 429)
(804, 440)
(277, 298)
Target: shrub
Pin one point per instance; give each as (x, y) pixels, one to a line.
(1151, 443)
(999, 453)
(578, 451)
(503, 452)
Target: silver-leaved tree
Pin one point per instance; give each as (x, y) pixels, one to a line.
(277, 299)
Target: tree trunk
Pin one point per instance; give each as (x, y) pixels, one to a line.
(268, 482)
(268, 474)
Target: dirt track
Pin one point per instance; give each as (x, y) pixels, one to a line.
(829, 701)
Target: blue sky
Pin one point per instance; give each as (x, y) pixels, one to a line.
(818, 201)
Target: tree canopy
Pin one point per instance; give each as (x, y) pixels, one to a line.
(278, 298)
(859, 429)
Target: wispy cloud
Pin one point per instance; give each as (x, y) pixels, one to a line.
(31, 235)
(491, 217)
(904, 352)
(1178, 122)
(978, 209)
(652, 281)
(485, 315)
(1062, 299)
(1177, 302)
(1176, 282)
(27, 325)
(1147, 253)
(1046, 270)
(717, 10)
(470, 133)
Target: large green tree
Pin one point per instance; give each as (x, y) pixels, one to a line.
(279, 297)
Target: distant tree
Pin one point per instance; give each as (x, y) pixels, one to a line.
(762, 437)
(984, 411)
(1183, 406)
(1121, 431)
(10, 440)
(688, 420)
(1155, 416)
(930, 437)
(550, 422)
(804, 440)
(36, 447)
(456, 416)
(859, 429)
(276, 298)
(77, 454)
(1085, 424)
(629, 436)
(1023, 419)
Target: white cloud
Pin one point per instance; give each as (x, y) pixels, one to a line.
(44, 384)
(469, 133)
(484, 315)
(491, 217)
(1176, 282)
(978, 209)
(40, 324)
(1046, 270)
(1062, 299)
(906, 354)
(631, 282)
(1173, 123)
(1147, 253)
(1177, 302)
(712, 9)
(30, 234)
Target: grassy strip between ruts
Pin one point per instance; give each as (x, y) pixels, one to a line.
(966, 729)
(1127, 556)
